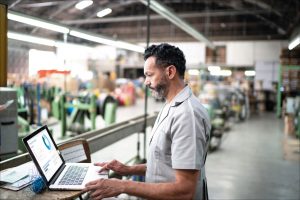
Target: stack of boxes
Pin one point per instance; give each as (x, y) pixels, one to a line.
(290, 61)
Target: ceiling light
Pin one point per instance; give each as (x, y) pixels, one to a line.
(103, 40)
(30, 39)
(104, 12)
(36, 22)
(221, 73)
(83, 4)
(90, 37)
(77, 33)
(226, 72)
(171, 16)
(43, 41)
(214, 68)
(249, 73)
(295, 42)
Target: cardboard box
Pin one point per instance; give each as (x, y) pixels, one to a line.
(289, 127)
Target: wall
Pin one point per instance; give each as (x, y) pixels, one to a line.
(194, 53)
(267, 72)
(240, 53)
(248, 53)
(103, 58)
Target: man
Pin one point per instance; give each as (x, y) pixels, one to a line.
(178, 147)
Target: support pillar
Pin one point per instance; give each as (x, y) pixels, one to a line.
(3, 45)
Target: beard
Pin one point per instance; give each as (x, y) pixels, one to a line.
(160, 91)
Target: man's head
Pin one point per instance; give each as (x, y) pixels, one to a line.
(167, 55)
(164, 64)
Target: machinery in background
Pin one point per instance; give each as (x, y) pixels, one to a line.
(239, 104)
(73, 110)
(223, 104)
(125, 92)
(217, 125)
(210, 100)
(8, 122)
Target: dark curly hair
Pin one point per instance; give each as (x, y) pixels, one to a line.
(166, 55)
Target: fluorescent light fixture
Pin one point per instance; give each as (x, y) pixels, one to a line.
(295, 42)
(43, 41)
(36, 22)
(249, 73)
(221, 73)
(92, 38)
(104, 12)
(226, 72)
(30, 39)
(77, 33)
(103, 40)
(172, 17)
(214, 68)
(194, 72)
(83, 4)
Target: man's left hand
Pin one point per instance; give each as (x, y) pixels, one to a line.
(103, 188)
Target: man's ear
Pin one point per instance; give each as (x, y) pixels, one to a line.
(171, 71)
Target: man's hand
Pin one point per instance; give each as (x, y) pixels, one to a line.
(102, 188)
(115, 166)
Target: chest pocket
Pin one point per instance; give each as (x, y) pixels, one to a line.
(162, 144)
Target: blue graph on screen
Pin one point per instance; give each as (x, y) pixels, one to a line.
(46, 142)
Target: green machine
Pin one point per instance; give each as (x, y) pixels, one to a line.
(81, 106)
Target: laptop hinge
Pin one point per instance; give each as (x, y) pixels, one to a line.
(57, 174)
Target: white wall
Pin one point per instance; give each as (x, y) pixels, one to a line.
(267, 72)
(194, 53)
(240, 53)
(248, 53)
(268, 51)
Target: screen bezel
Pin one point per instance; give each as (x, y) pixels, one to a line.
(25, 141)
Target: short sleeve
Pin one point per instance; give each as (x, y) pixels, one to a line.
(188, 139)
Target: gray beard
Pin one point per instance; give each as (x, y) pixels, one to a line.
(159, 93)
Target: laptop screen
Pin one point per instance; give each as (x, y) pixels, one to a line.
(45, 153)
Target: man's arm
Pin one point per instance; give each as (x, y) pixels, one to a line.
(182, 188)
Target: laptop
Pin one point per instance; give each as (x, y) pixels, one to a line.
(56, 173)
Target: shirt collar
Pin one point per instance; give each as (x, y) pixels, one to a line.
(181, 96)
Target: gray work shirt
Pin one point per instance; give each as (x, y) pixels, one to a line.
(179, 140)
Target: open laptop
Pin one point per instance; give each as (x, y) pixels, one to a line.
(53, 168)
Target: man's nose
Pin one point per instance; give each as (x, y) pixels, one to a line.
(147, 82)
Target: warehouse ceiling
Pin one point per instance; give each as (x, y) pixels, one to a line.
(215, 19)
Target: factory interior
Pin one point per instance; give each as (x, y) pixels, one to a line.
(77, 67)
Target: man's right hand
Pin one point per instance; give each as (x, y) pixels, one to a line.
(115, 166)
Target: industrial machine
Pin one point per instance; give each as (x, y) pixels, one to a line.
(8, 121)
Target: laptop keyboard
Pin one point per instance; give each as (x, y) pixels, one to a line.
(74, 176)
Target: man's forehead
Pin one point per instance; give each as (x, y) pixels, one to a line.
(151, 61)
(150, 64)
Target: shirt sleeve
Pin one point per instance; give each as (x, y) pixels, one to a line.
(188, 139)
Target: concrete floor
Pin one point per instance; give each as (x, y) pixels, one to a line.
(250, 164)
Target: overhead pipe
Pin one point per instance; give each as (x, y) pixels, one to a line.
(172, 17)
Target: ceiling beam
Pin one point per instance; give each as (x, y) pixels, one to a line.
(166, 12)
(14, 4)
(270, 23)
(43, 4)
(158, 17)
(264, 6)
(61, 9)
